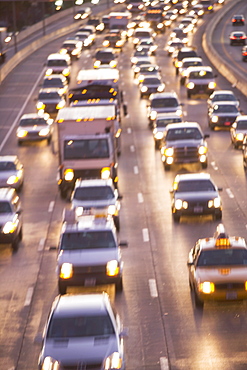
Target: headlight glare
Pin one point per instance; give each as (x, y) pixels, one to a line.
(66, 271)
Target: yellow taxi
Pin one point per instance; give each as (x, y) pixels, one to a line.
(218, 268)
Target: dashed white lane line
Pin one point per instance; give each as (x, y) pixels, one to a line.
(145, 235)
(215, 167)
(153, 288)
(129, 130)
(132, 148)
(51, 206)
(164, 363)
(140, 198)
(136, 170)
(28, 297)
(41, 244)
(229, 192)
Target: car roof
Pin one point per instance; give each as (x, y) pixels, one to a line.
(216, 92)
(93, 182)
(193, 176)
(183, 125)
(8, 158)
(89, 223)
(58, 56)
(57, 76)
(199, 68)
(164, 95)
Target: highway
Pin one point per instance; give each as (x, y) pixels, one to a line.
(165, 330)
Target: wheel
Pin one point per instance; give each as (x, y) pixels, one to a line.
(157, 144)
(19, 142)
(119, 286)
(218, 216)
(62, 288)
(63, 193)
(188, 94)
(182, 81)
(117, 223)
(212, 127)
(20, 234)
(177, 71)
(167, 167)
(198, 303)
(15, 244)
(205, 165)
(49, 140)
(176, 218)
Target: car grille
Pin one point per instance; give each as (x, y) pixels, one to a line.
(230, 286)
(82, 366)
(50, 108)
(223, 120)
(88, 173)
(78, 270)
(185, 154)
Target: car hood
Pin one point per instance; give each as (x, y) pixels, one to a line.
(184, 143)
(198, 195)
(4, 175)
(86, 350)
(88, 257)
(222, 274)
(34, 128)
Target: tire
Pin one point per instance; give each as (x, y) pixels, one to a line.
(167, 167)
(119, 286)
(182, 81)
(49, 140)
(177, 71)
(15, 244)
(188, 94)
(212, 127)
(117, 223)
(218, 216)
(20, 234)
(198, 303)
(62, 289)
(205, 165)
(63, 193)
(176, 218)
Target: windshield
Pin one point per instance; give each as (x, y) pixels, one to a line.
(242, 125)
(224, 97)
(94, 193)
(223, 257)
(53, 82)
(164, 103)
(49, 96)
(32, 122)
(5, 207)
(86, 149)
(88, 240)
(105, 56)
(195, 185)
(95, 91)
(151, 81)
(57, 63)
(80, 326)
(183, 134)
(7, 166)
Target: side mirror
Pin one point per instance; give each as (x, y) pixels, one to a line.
(220, 189)
(125, 109)
(206, 136)
(123, 243)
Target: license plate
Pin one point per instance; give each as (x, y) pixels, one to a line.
(198, 209)
(227, 123)
(90, 282)
(231, 295)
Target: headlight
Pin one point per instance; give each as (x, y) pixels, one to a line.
(66, 72)
(169, 152)
(160, 25)
(22, 133)
(113, 63)
(40, 105)
(97, 63)
(144, 89)
(214, 203)
(178, 63)
(212, 85)
(206, 287)
(10, 227)
(63, 51)
(135, 41)
(66, 271)
(50, 364)
(215, 119)
(79, 211)
(60, 105)
(114, 361)
(112, 268)
(49, 72)
(153, 115)
(119, 43)
(240, 136)
(112, 210)
(105, 173)
(12, 180)
(190, 85)
(160, 88)
(202, 150)
(44, 132)
(133, 60)
(86, 42)
(179, 204)
(106, 43)
(158, 135)
(68, 174)
(179, 112)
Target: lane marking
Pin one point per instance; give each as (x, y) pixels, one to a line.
(51, 206)
(41, 244)
(164, 363)
(229, 193)
(145, 235)
(128, 130)
(132, 148)
(140, 198)
(213, 164)
(136, 170)
(28, 297)
(153, 288)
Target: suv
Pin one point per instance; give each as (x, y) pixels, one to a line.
(10, 218)
(200, 80)
(57, 63)
(166, 102)
(105, 57)
(97, 194)
(83, 331)
(89, 253)
(184, 143)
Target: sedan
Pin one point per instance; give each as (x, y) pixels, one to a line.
(34, 127)
(72, 47)
(91, 330)
(147, 70)
(238, 20)
(50, 100)
(244, 53)
(151, 84)
(11, 172)
(238, 131)
(195, 194)
(222, 114)
(222, 96)
(58, 81)
(150, 44)
(237, 38)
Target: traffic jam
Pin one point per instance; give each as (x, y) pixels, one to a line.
(82, 115)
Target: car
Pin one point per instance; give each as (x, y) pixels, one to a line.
(141, 62)
(82, 13)
(57, 81)
(173, 45)
(91, 329)
(208, 6)
(150, 85)
(136, 6)
(114, 40)
(237, 38)
(179, 54)
(97, 194)
(186, 63)
(184, 143)
(222, 114)
(11, 220)
(97, 23)
(140, 51)
(217, 268)
(72, 47)
(187, 24)
(160, 123)
(222, 96)
(238, 131)
(244, 53)
(141, 34)
(89, 251)
(11, 172)
(200, 80)
(150, 44)
(105, 57)
(147, 70)
(166, 102)
(85, 38)
(91, 30)
(34, 127)
(58, 64)
(179, 33)
(195, 194)
(50, 100)
(197, 10)
(238, 20)
(244, 151)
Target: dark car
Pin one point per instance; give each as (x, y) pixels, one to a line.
(50, 100)
(184, 143)
(195, 194)
(114, 40)
(97, 23)
(72, 47)
(180, 54)
(237, 38)
(105, 57)
(238, 20)
(222, 114)
(200, 80)
(151, 84)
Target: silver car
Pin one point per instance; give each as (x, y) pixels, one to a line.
(34, 127)
(11, 172)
